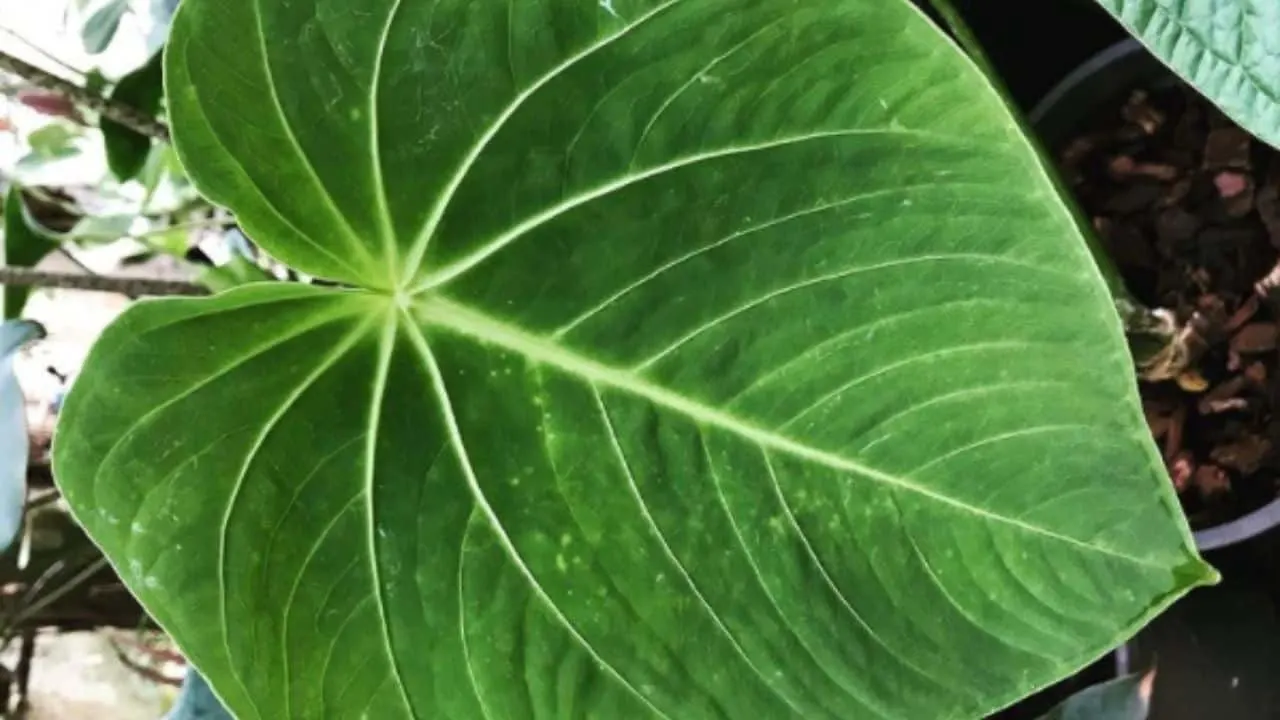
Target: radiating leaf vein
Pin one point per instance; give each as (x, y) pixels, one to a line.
(389, 246)
(446, 314)
(338, 579)
(486, 250)
(931, 356)
(455, 436)
(416, 253)
(826, 278)
(322, 191)
(794, 523)
(853, 689)
(252, 184)
(326, 363)
(770, 224)
(661, 538)
(386, 346)
(257, 351)
(927, 565)
(472, 522)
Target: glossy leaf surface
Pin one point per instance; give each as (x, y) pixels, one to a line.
(1228, 49)
(730, 358)
(101, 26)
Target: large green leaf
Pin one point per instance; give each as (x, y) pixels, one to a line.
(25, 244)
(1227, 49)
(711, 358)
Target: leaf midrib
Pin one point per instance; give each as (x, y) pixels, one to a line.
(449, 315)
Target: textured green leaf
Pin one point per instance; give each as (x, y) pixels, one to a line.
(100, 29)
(711, 358)
(14, 444)
(1125, 698)
(1228, 49)
(25, 244)
(142, 89)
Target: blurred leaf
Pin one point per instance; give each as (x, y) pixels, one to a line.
(95, 81)
(54, 139)
(172, 241)
(162, 172)
(1126, 698)
(14, 445)
(138, 258)
(161, 19)
(47, 102)
(197, 701)
(101, 228)
(238, 271)
(25, 244)
(127, 150)
(102, 25)
(51, 143)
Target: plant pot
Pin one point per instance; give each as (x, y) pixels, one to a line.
(1034, 44)
(1215, 651)
(1100, 84)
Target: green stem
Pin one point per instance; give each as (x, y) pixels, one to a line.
(77, 72)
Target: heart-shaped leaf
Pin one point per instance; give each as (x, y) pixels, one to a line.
(708, 358)
(1228, 49)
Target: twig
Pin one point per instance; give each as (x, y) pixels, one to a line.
(77, 72)
(53, 596)
(119, 112)
(71, 257)
(149, 673)
(26, 653)
(40, 499)
(98, 283)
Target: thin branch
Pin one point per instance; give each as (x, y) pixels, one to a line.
(71, 257)
(119, 112)
(77, 72)
(26, 613)
(98, 283)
